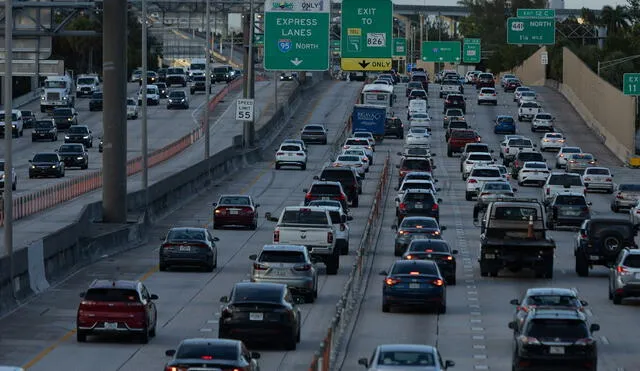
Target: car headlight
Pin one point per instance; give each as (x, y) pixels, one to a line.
(42, 97)
(79, 158)
(66, 137)
(85, 137)
(33, 166)
(70, 118)
(64, 98)
(53, 166)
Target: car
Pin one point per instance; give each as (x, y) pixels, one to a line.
(116, 307)
(347, 177)
(455, 101)
(423, 226)
(314, 133)
(512, 147)
(552, 141)
(504, 124)
(417, 151)
(546, 297)
(74, 155)
(542, 121)
(162, 88)
(291, 154)
(473, 159)
(421, 119)
(360, 153)
(455, 125)
(506, 77)
(11, 368)
(86, 85)
(559, 338)
(417, 106)
(176, 76)
(367, 135)
(519, 90)
(469, 77)
(261, 311)
(598, 178)
(459, 138)
(492, 191)
(297, 141)
(533, 173)
(162, 74)
(326, 190)
(95, 104)
(419, 135)
(177, 99)
(600, 240)
(436, 250)
(473, 147)
(188, 246)
(528, 110)
(44, 129)
(563, 153)
(409, 164)
(450, 86)
(289, 265)
(559, 182)
(527, 96)
(46, 164)
(152, 95)
(225, 74)
(626, 196)
(488, 96)
(214, 354)
(64, 117)
(235, 209)
(354, 161)
(422, 77)
(418, 94)
(199, 83)
(101, 145)
(454, 114)
(624, 276)
(414, 283)
(578, 162)
(394, 126)
(28, 118)
(412, 85)
(132, 109)
(485, 80)
(567, 209)
(505, 140)
(79, 134)
(511, 85)
(416, 184)
(401, 356)
(478, 175)
(14, 177)
(634, 213)
(525, 155)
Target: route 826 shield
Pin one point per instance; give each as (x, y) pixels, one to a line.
(244, 109)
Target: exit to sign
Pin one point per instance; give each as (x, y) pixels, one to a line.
(631, 84)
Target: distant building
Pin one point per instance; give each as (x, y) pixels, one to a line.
(555, 4)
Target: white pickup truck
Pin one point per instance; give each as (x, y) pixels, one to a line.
(450, 87)
(310, 226)
(511, 147)
(528, 110)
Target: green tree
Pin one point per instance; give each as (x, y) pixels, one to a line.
(616, 19)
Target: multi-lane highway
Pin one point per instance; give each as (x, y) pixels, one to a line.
(473, 332)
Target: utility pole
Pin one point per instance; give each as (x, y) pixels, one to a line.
(114, 66)
(145, 140)
(7, 198)
(249, 87)
(207, 74)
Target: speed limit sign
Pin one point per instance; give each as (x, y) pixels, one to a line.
(244, 109)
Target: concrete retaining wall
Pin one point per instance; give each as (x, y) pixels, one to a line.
(531, 72)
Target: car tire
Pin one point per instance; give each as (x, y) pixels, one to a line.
(163, 267)
(449, 153)
(610, 292)
(533, 130)
(152, 332)
(442, 308)
(468, 196)
(144, 336)
(452, 281)
(254, 225)
(333, 263)
(277, 166)
(210, 266)
(582, 265)
(355, 202)
(344, 248)
(81, 336)
(290, 344)
(303, 167)
(386, 308)
(617, 299)
(14, 185)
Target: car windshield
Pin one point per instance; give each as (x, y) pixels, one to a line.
(632, 261)
(71, 148)
(534, 165)
(422, 267)
(557, 328)
(565, 180)
(86, 81)
(186, 235)
(485, 173)
(571, 200)
(112, 295)
(60, 113)
(507, 119)
(313, 128)
(291, 148)
(581, 157)
(131, 102)
(497, 186)
(220, 70)
(78, 130)
(543, 117)
(270, 256)
(206, 350)
(479, 157)
(235, 200)
(416, 185)
(515, 213)
(404, 359)
(43, 125)
(347, 158)
(45, 157)
(553, 301)
(177, 94)
(304, 216)
(417, 164)
(428, 246)
(248, 293)
(175, 71)
(598, 171)
(629, 187)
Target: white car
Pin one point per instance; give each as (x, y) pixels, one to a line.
(353, 161)
(479, 175)
(553, 141)
(366, 135)
(14, 176)
(473, 159)
(634, 213)
(132, 109)
(358, 152)
(527, 96)
(542, 121)
(488, 96)
(418, 136)
(153, 95)
(598, 178)
(291, 154)
(420, 119)
(518, 92)
(527, 110)
(533, 172)
(563, 153)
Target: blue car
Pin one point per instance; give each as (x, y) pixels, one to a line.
(414, 283)
(504, 125)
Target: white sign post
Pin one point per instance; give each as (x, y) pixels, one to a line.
(544, 58)
(244, 109)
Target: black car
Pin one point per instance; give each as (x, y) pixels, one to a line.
(199, 83)
(314, 133)
(600, 240)
(415, 227)
(79, 134)
(44, 129)
(325, 190)
(213, 354)
(286, 77)
(178, 99)
(455, 101)
(162, 88)
(436, 250)
(187, 246)
(347, 177)
(567, 209)
(74, 155)
(95, 104)
(223, 74)
(261, 311)
(65, 117)
(554, 338)
(393, 126)
(101, 145)
(420, 202)
(46, 164)
(28, 119)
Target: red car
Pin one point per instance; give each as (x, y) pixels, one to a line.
(117, 307)
(235, 210)
(459, 138)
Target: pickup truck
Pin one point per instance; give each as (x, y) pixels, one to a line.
(312, 227)
(513, 236)
(528, 110)
(559, 182)
(450, 87)
(511, 147)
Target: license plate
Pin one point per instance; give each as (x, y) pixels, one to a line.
(326, 198)
(110, 325)
(233, 212)
(289, 154)
(556, 350)
(279, 272)
(489, 256)
(185, 248)
(637, 276)
(572, 213)
(256, 316)
(414, 285)
(42, 134)
(594, 257)
(418, 206)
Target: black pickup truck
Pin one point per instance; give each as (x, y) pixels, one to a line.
(513, 236)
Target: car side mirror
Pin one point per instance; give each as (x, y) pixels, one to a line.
(170, 352)
(253, 256)
(383, 273)
(82, 294)
(435, 180)
(443, 227)
(515, 190)
(267, 215)
(30, 161)
(491, 151)
(454, 252)
(394, 227)
(257, 205)
(438, 189)
(399, 153)
(75, 113)
(512, 325)
(514, 302)
(439, 200)
(612, 175)
(153, 297)
(364, 362)
(434, 167)
(216, 239)
(55, 150)
(214, 204)
(162, 238)
(589, 203)
(349, 218)
(254, 355)
(594, 327)
(305, 190)
(584, 303)
(224, 299)
(315, 177)
(449, 363)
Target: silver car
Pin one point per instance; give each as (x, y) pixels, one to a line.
(403, 357)
(289, 265)
(563, 154)
(624, 276)
(626, 196)
(577, 162)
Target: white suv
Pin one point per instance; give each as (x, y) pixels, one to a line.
(552, 141)
(291, 154)
(17, 124)
(473, 159)
(479, 175)
(562, 182)
(153, 95)
(132, 109)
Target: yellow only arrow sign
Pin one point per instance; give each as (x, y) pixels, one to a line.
(365, 64)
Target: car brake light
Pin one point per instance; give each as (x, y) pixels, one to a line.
(434, 207)
(207, 358)
(471, 180)
(402, 232)
(585, 341)
(608, 180)
(622, 270)
(409, 257)
(438, 282)
(276, 236)
(548, 191)
(587, 179)
(342, 227)
(402, 206)
(619, 196)
(342, 197)
(308, 196)
(280, 154)
(329, 237)
(528, 340)
(391, 281)
(302, 268)
(299, 154)
(448, 257)
(169, 368)
(259, 267)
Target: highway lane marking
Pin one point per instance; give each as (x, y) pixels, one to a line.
(480, 356)
(481, 367)
(604, 340)
(48, 350)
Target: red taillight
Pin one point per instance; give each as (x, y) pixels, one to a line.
(548, 191)
(299, 154)
(638, 211)
(583, 236)
(303, 268)
(409, 257)
(434, 207)
(329, 237)
(585, 209)
(622, 270)
(391, 281)
(207, 358)
(506, 150)
(585, 341)
(438, 282)
(342, 227)
(280, 154)
(168, 245)
(619, 196)
(402, 206)
(609, 180)
(449, 258)
(308, 196)
(478, 139)
(259, 267)
(276, 236)
(587, 179)
(226, 312)
(342, 197)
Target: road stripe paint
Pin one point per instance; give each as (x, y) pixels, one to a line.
(475, 320)
(481, 367)
(479, 346)
(471, 286)
(206, 330)
(48, 350)
(604, 340)
(475, 313)
(477, 337)
(472, 298)
(472, 292)
(480, 356)
(474, 306)
(212, 321)
(477, 328)
(469, 281)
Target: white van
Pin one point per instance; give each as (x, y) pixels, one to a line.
(417, 106)
(153, 95)
(16, 123)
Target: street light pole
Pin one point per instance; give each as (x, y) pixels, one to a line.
(7, 198)
(207, 73)
(145, 139)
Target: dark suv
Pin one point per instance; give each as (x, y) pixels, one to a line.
(418, 202)
(347, 177)
(199, 83)
(600, 240)
(485, 80)
(455, 101)
(555, 338)
(394, 126)
(95, 104)
(325, 190)
(567, 209)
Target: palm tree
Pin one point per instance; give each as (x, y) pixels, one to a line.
(588, 16)
(615, 19)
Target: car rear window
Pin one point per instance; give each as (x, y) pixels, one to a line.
(313, 128)
(348, 158)
(425, 198)
(479, 157)
(418, 93)
(458, 125)
(530, 156)
(269, 256)
(485, 173)
(206, 350)
(515, 213)
(535, 165)
(337, 175)
(557, 328)
(477, 148)
(185, 235)
(454, 112)
(487, 91)
(415, 164)
(429, 268)
(581, 157)
(520, 142)
(463, 134)
(554, 136)
(629, 187)
(250, 293)
(632, 261)
(419, 78)
(497, 186)
(357, 142)
(424, 245)
(598, 171)
(543, 117)
(565, 180)
(234, 200)
(415, 84)
(506, 119)
(571, 200)
(486, 76)
(417, 151)
(325, 189)
(417, 185)
(455, 97)
(112, 295)
(419, 223)
(304, 216)
(553, 300)
(290, 147)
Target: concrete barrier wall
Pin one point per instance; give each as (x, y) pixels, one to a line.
(531, 72)
(604, 108)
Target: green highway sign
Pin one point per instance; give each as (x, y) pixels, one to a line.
(367, 38)
(631, 84)
(296, 35)
(441, 51)
(471, 51)
(258, 39)
(531, 31)
(536, 13)
(399, 47)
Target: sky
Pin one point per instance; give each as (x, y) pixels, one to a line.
(568, 4)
